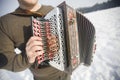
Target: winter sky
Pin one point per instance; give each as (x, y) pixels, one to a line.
(7, 6)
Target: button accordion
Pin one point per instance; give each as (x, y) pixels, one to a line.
(75, 33)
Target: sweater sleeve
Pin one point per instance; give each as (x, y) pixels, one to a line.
(8, 58)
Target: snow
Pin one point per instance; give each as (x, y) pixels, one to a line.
(105, 65)
(106, 61)
(23, 75)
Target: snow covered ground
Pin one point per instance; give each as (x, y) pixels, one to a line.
(106, 61)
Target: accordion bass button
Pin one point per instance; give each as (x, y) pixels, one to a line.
(38, 23)
(34, 26)
(34, 21)
(34, 30)
(38, 31)
(39, 35)
(38, 27)
(35, 34)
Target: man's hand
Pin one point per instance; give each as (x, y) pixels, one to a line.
(34, 48)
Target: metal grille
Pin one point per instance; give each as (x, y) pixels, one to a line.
(56, 19)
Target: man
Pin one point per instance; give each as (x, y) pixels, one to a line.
(15, 32)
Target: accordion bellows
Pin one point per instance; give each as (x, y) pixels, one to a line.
(75, 33)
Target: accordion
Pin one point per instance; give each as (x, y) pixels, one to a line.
(75, 33)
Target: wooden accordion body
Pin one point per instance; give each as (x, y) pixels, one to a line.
(76, 36)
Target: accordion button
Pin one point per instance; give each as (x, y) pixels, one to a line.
(39, 35)
(34, 21)
(35, 34)
(38, 27)
(38, 23)
(34, 30)
(38, 31)
(41, 58)
(34, 25)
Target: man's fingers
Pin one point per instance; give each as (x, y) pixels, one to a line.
(35, 43)
(34, 47)
(33, 38)
(32, 57)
